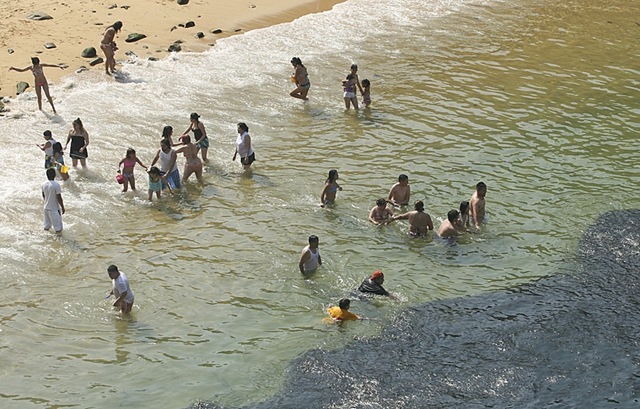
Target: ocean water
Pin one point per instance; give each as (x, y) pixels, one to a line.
(539, 99)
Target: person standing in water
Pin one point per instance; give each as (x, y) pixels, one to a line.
(331, 187)
(349, 88)
(199, 135)
(47, 148)
(310, 258)
(193, 163)
(129, 163)
(419, 221)
(108, 46)
(400, 193)
(476, 204)
(380, 213)
(53, 204)
(301, 78)
(243, 147)
(120, 289)
(448, 227)
(40, 80)
(79, 141)
(168, 164)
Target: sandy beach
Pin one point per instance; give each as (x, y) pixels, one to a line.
(78, 24)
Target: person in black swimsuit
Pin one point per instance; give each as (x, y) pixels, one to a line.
(79, 141)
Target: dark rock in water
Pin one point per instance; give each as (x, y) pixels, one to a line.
(152, 59)
(133, 37)
(189, 24)
(49, 46)
(175, 47)
(217, 31)
(97, 61)
(564, 341)
(113, 6)
(125, 7)
(39, 16)
(145, 46)
(130, 54)
(178, 42)
(81, 69)
(183, 2)
(199, 34)
(89, 52)
(173, 28)
(237, 30)
(181, 25)
(10, 50)
(21, 87)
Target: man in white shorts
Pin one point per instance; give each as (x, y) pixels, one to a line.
(53, 205)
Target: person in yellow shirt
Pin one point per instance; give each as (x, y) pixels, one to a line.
(341, 312)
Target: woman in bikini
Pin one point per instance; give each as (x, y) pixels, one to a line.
(40, 80)
(129, 162)
(301, 79)
(193, 163)
(331, 187)
(79, 141)
(109, 47)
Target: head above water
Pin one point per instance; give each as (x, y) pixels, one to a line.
(377, 276)
(296, 61)
(333, 176)
(167, 131)
(155, 171)
(51, 173)
(117, 25)
(344, 304)
(403, 178)
(452, 216)
(35, 60)
(131, 153)
(354, 67)
(47, 135)
(186, 139)
(366, 83)
(464, 207)
(419, 206)
(112, 270)
(314, 240)
(194, 117)
(77, 124)
(242, 127)
(381, 202)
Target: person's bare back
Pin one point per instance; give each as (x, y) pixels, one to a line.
(420, 223)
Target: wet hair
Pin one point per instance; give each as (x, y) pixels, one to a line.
(354, 66)
(419, 206)
(243, 126)
(35, 60)
(130, 151)
(402, 177)
(464, 207)
(333, 175)
(381, 202)
(194, 116)
(366, 83)
(165, 142)
(167, 131)
(313, 239)
(185, 139)
(57, 147)
(481, 185)
(344, 303)
(155, 171)
(116, 26)
(51, 173)
(453, 215)
(78, 122)
(112, 267)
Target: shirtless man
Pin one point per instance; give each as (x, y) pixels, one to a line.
(109, 47)
(419, 222)
(476, 204)
(380, 214)
(448, 227)
(400, 192)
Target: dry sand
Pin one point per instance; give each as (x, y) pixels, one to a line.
(78, 24)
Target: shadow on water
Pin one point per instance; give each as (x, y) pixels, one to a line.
(564, 341)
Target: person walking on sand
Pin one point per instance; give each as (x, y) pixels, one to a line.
(53, 204)
(310, 258)
(301, 79)
(168, 164)
(419, 222)
(40, 80)
(79, 141)
(193, 163)
(47, 148)
(129, 162)
(199, 135)
(476, 204)
(243, 147)
(120, 289)
(109, 47)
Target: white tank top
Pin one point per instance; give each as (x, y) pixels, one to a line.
(49, 151)
(165, 160)
(312, 263)
(242, 146)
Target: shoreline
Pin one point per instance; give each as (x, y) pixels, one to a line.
(77, 25)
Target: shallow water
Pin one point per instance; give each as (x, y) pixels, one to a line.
(538, 99)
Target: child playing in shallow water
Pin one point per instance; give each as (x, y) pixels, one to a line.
(331, 187)
(366, 92)
(155, 182)
(58, 161)
(129, 163)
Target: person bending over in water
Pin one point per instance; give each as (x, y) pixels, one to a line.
(400, 192)
(40, 80)
(380, 214)
(301, 79)
(419, 222)
(109, 47)
(373, 285)
(448, 227)
(331, 187)
(476, 204)
(120, 289)
(341, 312)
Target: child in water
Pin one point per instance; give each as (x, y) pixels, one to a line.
(463, 218)
(129, 163)
(58, 160)
(366, 92)
(155, 182)
(331, 187)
